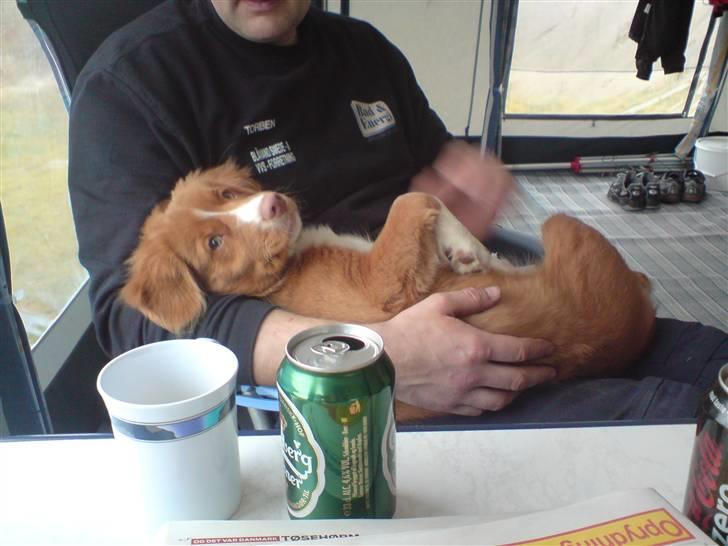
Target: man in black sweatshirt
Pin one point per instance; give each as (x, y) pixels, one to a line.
(318, 104)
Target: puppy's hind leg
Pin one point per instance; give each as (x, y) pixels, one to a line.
(404, 261)
(461, 249)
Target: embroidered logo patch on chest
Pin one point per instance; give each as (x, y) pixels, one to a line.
(372, 118)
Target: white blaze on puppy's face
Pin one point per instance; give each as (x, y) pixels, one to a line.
(249, 212)
(264, 211)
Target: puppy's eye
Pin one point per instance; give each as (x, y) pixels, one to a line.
(215, 242)
(228, 194)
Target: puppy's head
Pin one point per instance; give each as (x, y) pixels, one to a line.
(220, 233)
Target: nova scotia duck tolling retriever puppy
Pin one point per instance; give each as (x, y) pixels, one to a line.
(220, 232)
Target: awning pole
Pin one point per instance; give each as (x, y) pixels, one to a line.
(707, 103)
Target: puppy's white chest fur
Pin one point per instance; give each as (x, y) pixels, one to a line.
(456, 245)
(317, 236)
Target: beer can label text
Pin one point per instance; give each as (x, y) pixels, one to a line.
(305, 465)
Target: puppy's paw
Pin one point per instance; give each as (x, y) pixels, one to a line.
(464, 259)
(458, 247)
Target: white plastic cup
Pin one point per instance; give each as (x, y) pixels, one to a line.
(173, 414)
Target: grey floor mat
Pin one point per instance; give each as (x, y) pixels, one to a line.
(683, 248)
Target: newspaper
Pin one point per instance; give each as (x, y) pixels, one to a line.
(288, 531)
(628, 518)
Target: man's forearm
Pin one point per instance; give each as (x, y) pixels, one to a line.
(278, 327)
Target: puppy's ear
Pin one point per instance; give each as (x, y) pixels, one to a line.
(233, 174)
(162, 287)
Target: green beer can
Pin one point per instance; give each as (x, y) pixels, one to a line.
(336, 393)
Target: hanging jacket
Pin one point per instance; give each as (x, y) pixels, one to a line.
(719, 6)
(660, 28)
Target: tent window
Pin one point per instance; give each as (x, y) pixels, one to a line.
(576, 59)
(33, 172)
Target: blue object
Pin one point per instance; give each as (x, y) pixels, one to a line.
(260, 398)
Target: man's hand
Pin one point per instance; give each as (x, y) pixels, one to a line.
(473, 187)
(444, 364)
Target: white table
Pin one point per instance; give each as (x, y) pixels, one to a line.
(66, 491)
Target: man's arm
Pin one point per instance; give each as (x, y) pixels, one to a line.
(270, 345)
(442, 363)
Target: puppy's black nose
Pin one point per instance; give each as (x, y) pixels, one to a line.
(272, 206)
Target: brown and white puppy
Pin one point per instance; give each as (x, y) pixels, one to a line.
(220, 233)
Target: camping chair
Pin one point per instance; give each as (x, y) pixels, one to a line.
(70, 31)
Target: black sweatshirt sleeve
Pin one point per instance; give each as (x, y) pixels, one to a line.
(124, 157)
